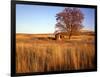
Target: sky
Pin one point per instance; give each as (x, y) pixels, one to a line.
(34, 19)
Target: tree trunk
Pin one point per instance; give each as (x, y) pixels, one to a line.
(69, 35)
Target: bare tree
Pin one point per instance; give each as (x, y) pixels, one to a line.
(69, 20)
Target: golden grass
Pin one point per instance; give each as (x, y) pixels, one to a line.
(34, 55)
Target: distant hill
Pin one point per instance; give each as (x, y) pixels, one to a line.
(88, 32)
(82, 32)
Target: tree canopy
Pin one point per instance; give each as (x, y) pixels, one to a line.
(69, 20)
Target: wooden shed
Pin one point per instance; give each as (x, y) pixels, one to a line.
(61, 35)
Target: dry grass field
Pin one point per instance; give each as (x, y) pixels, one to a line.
(38, 53)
